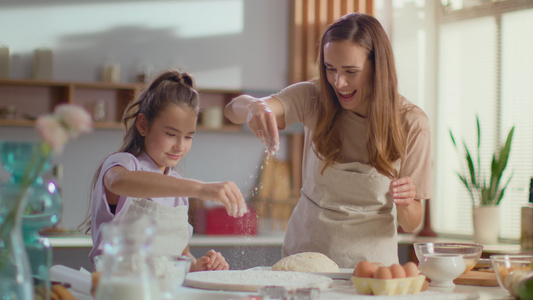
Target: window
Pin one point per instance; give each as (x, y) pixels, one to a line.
(485, 68)
(451, 5)
(462, 60)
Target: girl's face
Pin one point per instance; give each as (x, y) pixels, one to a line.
(350, 74)
(169, 138)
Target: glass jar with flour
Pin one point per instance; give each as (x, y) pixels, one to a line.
(127, 267)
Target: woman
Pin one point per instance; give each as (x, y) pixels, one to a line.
(367, 156)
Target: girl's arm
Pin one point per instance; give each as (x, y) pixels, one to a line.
(265, 116)
(142, 184)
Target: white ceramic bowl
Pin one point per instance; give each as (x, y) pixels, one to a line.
(442, 269)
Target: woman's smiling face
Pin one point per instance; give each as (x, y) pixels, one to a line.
(350, 73)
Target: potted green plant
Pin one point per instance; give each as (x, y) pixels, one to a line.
(485, 195)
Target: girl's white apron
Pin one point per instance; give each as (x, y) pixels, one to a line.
(347, 214)
(172, 235)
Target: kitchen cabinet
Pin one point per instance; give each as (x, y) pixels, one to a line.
(21, 101)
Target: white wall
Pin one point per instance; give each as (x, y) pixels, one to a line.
(224, 43)
(250, 54)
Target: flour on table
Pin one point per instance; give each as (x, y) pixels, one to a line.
(307, 262)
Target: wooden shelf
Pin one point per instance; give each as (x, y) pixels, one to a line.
(224, 128)
(115, 125)
(17, 123)
(32, 98)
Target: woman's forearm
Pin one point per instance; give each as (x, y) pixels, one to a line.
(410, 216)
(237, 110)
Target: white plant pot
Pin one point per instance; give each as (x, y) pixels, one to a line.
(486, 224)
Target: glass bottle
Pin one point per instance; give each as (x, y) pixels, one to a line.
(128, 271)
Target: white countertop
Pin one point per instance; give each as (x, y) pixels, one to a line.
(273, 239)
(344, 290)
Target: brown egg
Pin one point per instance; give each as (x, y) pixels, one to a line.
(411, 270)
(364, 269)
(383, 273)
(397, 271)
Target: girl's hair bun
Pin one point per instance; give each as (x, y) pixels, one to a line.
(187, 79)
(182, 78)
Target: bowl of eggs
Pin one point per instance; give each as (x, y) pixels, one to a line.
(470, 252)
(377, 279)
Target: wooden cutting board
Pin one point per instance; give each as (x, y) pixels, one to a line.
(479, 278)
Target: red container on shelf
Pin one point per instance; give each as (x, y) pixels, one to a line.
(219, 222)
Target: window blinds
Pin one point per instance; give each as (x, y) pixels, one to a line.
(485, 68)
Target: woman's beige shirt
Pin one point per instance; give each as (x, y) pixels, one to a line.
(299, 101)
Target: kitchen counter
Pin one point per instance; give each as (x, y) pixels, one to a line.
(273, 239)
(242, 252)
(197, 240)
(344, 290)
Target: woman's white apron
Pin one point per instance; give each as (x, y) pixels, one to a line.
(347, 214)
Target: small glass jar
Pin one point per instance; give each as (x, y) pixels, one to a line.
(170, 271)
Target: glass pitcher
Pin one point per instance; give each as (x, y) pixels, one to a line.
(128, 270)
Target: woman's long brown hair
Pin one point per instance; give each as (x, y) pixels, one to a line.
(170, 87)
(386, 136)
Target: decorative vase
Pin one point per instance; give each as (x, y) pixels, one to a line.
(486, 224)
(15, 273)
(426, 229)
(42, 209)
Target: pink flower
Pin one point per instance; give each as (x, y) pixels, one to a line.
(52, 132)
(75, 119)
(67, 121)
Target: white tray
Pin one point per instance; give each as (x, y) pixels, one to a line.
(253, 280)
(344, 273)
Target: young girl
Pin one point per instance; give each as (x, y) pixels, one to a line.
(139, 178)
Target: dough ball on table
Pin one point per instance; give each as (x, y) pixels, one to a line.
(306, 262)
